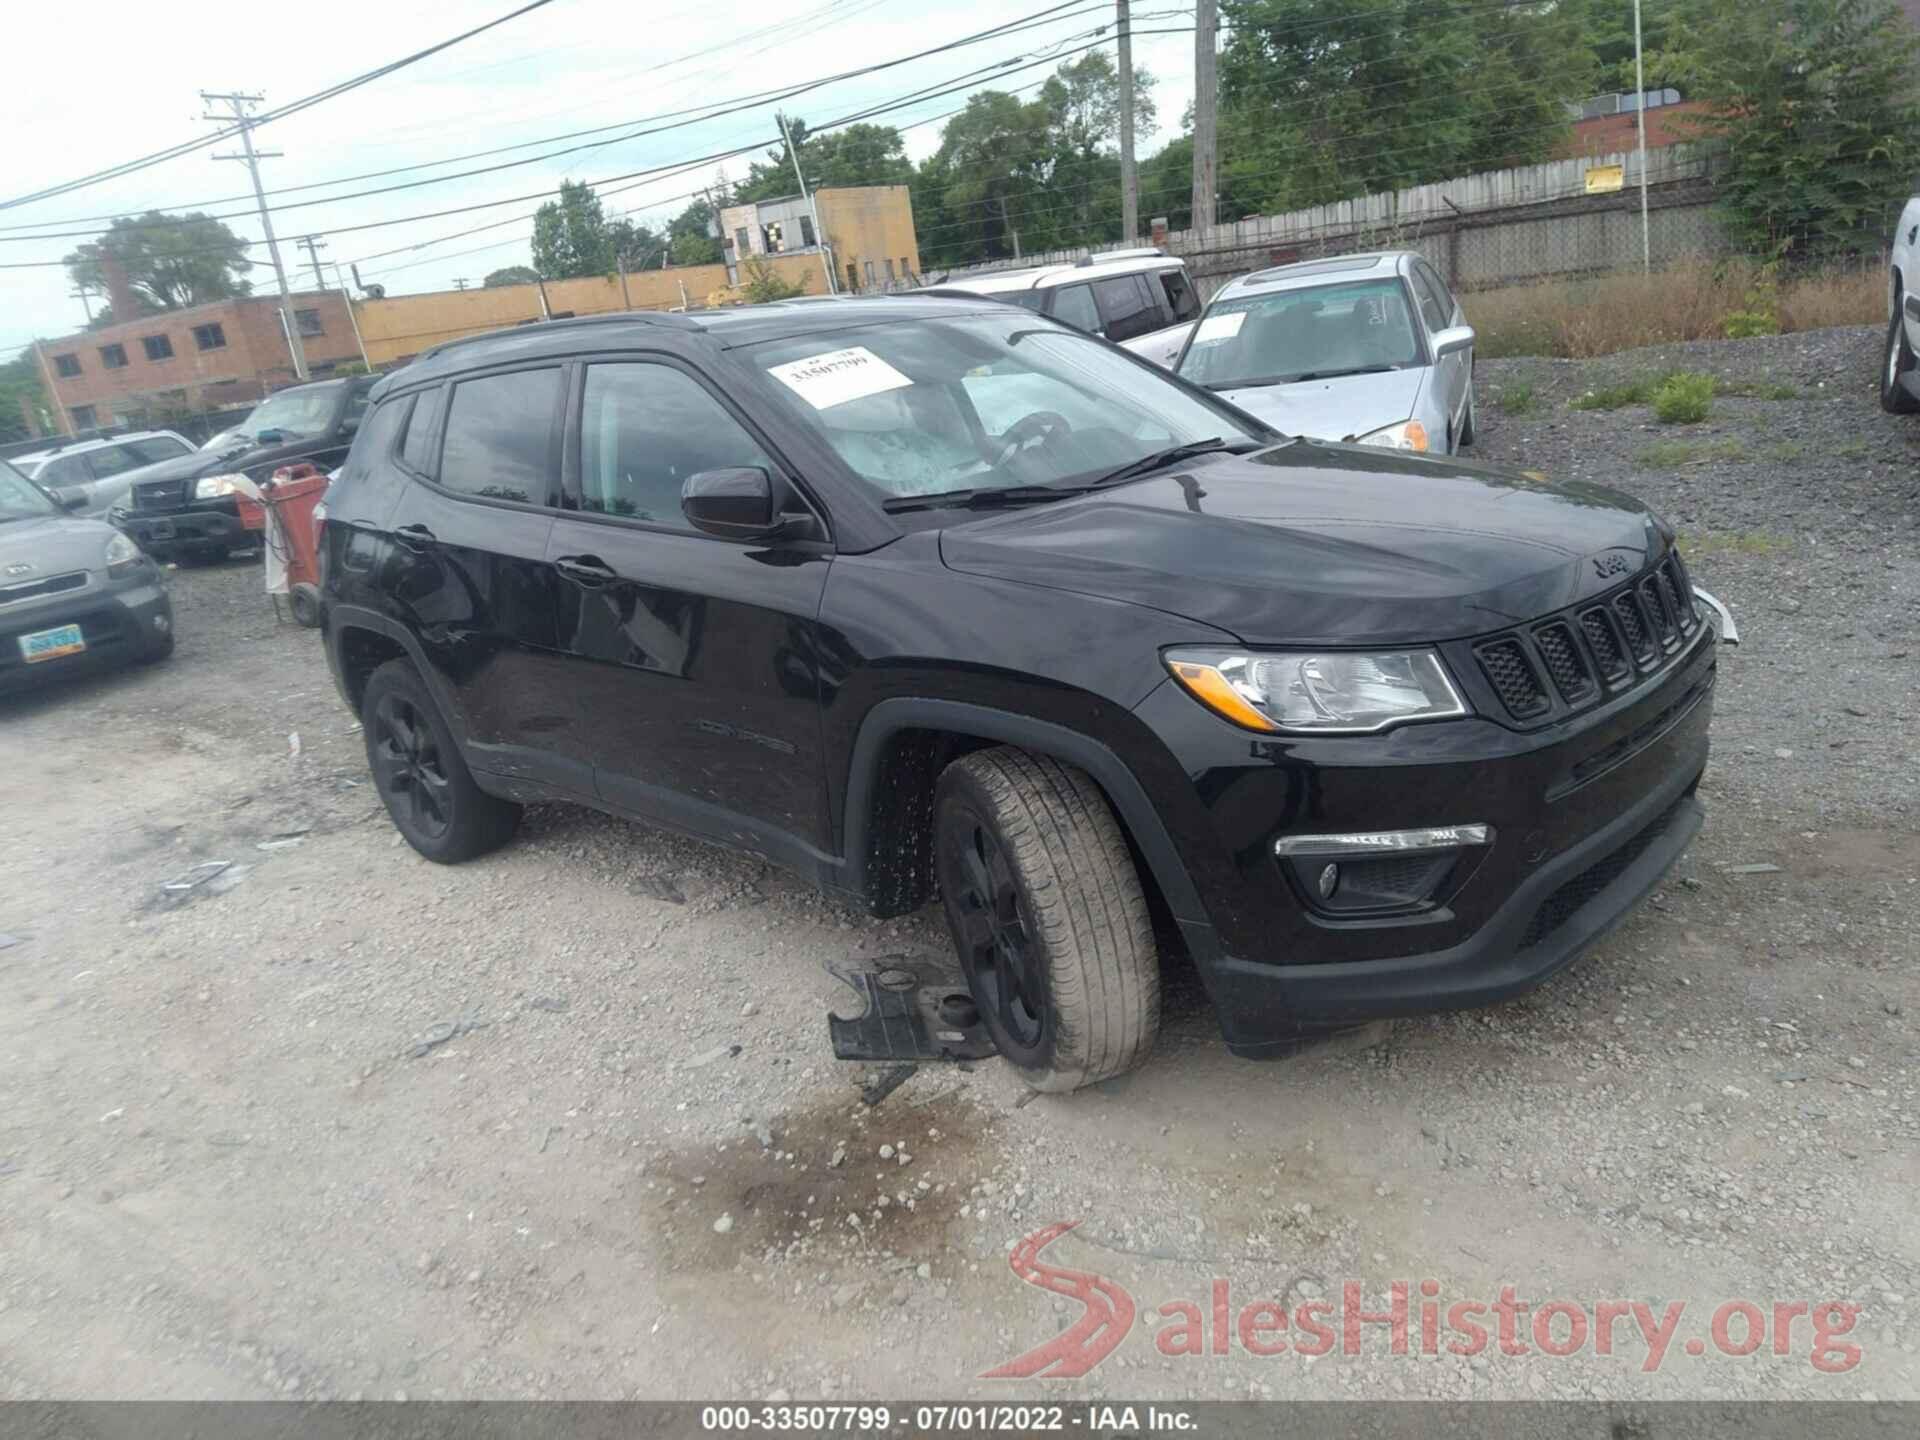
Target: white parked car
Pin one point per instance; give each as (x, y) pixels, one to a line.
(89, 476)
(1370, 348)
(1142, 300)
(1899, 384)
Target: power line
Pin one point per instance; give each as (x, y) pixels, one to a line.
(158, 157)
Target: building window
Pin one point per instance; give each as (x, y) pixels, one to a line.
(853, 276)
(870, 281)
(82, 416)
(66, 365)
(113, 357)
(806, 230)
(906, 270)
(308, 322)
(210, 337)
(740, 242)
(889, 264)
(158, 347)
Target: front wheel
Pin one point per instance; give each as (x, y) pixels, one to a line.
(1048, 916)
(1466, 425)
(428, 790)
(1895, 398)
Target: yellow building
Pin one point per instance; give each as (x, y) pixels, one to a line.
(869, 234)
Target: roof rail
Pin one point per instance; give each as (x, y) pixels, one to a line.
(611, 317)
(1139, 252)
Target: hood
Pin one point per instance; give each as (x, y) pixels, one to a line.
(53, 546)
(1315, 544)
(257, 460)
(1333, 409)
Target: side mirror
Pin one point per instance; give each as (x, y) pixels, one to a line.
(739, 503)
(1453, 340)
(70, 499)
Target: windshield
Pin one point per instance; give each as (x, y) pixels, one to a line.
(1327, 330)
(20, 498)
(295, 413)
(984, 402)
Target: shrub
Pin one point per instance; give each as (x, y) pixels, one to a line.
(1617, 397)
(1683, 399)
(1517, 398)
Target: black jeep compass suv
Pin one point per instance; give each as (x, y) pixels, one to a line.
(922, 597)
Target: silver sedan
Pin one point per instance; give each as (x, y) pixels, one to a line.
(1367, 348)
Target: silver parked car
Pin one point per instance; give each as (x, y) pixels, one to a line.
(75, 594)
(1368, 348)
(91, 476)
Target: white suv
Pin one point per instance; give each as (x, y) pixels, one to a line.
(93, 472)
(1141, 300)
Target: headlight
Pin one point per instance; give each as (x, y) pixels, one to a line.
(1407, 435)
(214, 486)
(1339, 692)
(123, 557)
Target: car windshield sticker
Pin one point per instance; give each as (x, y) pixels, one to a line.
(1220, 327)
(838, 376)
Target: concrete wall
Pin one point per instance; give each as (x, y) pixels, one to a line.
(253, 361)
(400, 327)
(871, 225)
(1497, 228)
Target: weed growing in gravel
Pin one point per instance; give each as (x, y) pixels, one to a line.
(1672, 454)
(1517, 398)
(1683, 399)
(1617, 397)
(1757, 390)
(1731, 542)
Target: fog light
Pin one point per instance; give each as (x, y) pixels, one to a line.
(1377, 872)
(162, 624)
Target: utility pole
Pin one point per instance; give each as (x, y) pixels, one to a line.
(1206, 111)
(1129, 172)
(819, 235)
(1640, 82)
(237, 104)
(313, 248)
(460, 283)
(85, 297)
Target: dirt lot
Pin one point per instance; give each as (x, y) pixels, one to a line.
(565, 1123)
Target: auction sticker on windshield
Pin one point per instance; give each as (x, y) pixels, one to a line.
(838, 376)
(1220, 327)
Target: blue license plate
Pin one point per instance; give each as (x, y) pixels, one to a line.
(51, 644)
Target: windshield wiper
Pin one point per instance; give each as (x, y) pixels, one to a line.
(1148, 463)
(982, 497)
(1265, 380)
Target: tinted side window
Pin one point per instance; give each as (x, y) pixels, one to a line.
(416, 452)
(1073, 305)
(1127, 306)
(644, 430)
(1180, 297)
(356, 406)
(157, 449)
(1440, 291)
(112, 460)
(499, 441)
(69, 470)
(380, 434)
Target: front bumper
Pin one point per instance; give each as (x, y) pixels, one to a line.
(120, 622)
(1586, 816)
(160, 532)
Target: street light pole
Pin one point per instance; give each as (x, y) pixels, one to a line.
(238, 104)
(806, 196)
(1640, 80)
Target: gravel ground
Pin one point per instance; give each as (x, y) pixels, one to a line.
(564, 1122)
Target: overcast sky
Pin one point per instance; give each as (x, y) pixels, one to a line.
(133, 86)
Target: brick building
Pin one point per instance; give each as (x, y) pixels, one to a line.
(180, 361)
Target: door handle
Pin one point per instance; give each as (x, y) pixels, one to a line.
(414, 537)
(584, 569)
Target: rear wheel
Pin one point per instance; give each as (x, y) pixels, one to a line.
(1048, 916)
(428, 790)
(304, 599)
(1895, 398)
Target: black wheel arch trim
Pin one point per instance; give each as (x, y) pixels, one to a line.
(335, 617)
(889, 717)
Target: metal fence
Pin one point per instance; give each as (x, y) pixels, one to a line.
(1502, 227)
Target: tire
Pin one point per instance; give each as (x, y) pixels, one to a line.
(417, 768)
(304, 600)
(1048, 916)
(1466, 425)
(159, 652)
(1895, 398)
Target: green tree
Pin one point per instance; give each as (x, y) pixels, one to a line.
(511, 275)
(171, 261)
(985, 185)
(571, 236)
(859, 154)
(1326, 99)
(690, 235)
(1816, 102)
(20, 380)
